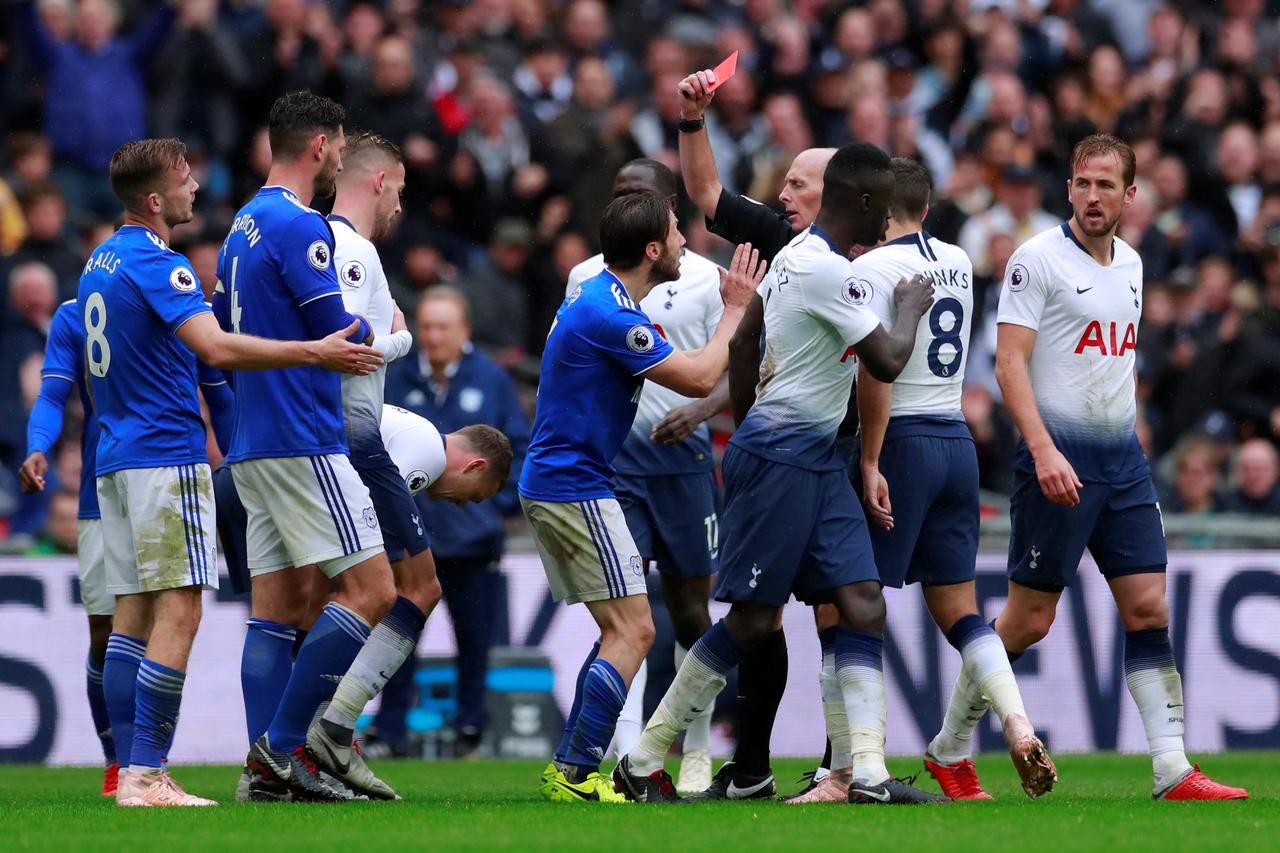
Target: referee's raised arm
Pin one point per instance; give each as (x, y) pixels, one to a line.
(697, 163)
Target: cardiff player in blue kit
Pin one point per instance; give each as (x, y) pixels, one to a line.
(792, 523)
(599, 352)
(306, 504)
(919, 475)
(63, 369)
(145, 322)
(1069, 313)
(665, 479)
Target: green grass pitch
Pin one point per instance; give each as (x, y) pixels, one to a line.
(1102, 803)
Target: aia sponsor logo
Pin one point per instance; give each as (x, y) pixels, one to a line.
(1108, 340)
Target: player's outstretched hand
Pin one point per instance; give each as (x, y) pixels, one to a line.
(678, 424)
(915, 295)
(738, 284)
(696, 93)
(1057, 478)
(341, 356)
(875, 494)
(31, 474)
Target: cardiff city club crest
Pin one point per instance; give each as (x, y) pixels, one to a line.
(370, 517)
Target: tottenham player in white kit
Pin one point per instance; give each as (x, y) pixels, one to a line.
(665, 478)
(792, 522)
(366, 202)
(919, 477)
(1068, 320)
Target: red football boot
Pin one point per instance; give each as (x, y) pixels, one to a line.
(1197, 786)
(110, 779)
(958, 781)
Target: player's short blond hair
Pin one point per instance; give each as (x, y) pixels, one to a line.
(138, 168)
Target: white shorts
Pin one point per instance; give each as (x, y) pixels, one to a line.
(304, 510)
(158, 528)
(92, 564)
(586, 549)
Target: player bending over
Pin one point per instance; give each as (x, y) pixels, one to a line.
(1068, 320)
(600, 350)
(792, 523)
(665, 480)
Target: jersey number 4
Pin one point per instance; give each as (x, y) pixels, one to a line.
(96, 349)
(941, 336)
(236, 310)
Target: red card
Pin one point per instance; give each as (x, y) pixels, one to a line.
(725, 71)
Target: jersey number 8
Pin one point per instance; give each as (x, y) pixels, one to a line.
(941, 336)
(95, 325)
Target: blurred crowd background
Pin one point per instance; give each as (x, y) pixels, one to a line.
(513, 116)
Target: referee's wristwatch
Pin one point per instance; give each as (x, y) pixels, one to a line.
(692, 125)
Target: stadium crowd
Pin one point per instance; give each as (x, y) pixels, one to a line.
(514, 116)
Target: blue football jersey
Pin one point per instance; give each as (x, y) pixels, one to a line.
(277, 258)
(64, 358)
(599, 345)
(134, 293)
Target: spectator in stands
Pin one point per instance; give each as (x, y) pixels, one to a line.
(498, 293)
(1018, 212)
(205, 71)
(1195, 486)
(452, 384)
(95, 92)
(542, 80)
(33, 297)
(1256, 478)
(47, 239)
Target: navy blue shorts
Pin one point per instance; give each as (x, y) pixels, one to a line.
(1119, 523)
(232, 523)
(933, 488)
(789, 530)
(403, 530)
(673, 520)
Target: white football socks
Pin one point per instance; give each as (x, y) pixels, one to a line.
(631, 719)
(864, 702)
(382, 654)
(1158, 695)
(694, 689)
(698, 735)
(836, 718)
(954, 741)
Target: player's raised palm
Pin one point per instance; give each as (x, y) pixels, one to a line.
(738, 284)
(914, 296)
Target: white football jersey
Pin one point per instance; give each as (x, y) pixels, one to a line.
(686, 313)
(1086, 319)
(932, 381)
(365, 292)
(815, 311)
(415, 445)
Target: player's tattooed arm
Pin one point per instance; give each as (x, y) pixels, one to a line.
(1057, 478)
(875, 399)
(884, 354)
